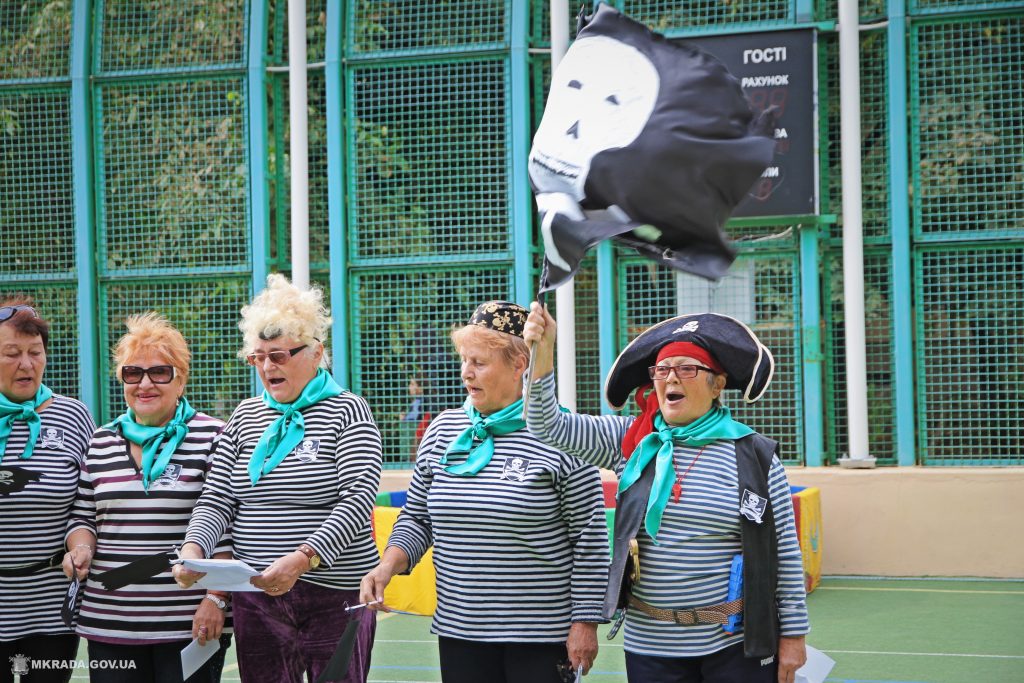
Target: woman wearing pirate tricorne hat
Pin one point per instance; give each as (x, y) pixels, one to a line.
(713, 591)
(518, 527)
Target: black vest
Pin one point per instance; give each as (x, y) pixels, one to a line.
(760, 546)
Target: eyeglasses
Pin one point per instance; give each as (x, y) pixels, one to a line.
(7, 312)
(158, 374)
(276, 357)
(681, 371)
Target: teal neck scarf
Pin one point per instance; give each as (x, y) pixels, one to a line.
(169, 436)
(26, 412)
(482, 429)
(715, 424)
(287, 431)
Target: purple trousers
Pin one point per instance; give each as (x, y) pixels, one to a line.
(282, 639)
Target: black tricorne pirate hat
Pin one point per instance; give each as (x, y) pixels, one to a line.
(748, 363)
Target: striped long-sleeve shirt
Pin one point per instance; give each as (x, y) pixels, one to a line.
(700, 533)
(36, 496)
(520, 549)
(321, 494)
(130, 522)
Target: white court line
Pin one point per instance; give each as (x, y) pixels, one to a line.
(916, 590)
(921, 654)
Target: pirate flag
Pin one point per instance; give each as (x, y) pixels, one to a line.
(646, 141)
(136, 571)
(14, 479)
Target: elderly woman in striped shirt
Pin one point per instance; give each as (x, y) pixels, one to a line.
(294, 478)
(518, 527)
(43, 438)
(140, 479)
(704, 497)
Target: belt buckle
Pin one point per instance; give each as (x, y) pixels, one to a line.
(677, 615)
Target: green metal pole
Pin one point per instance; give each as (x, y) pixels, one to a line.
(606, 312)
(519, 110)
(899, 213)
(82, 179)
(257, 102)
(336, 227)
(804, 11)
(259, 212)
(810, 333)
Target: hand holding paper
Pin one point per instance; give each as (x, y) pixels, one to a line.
(223, 575)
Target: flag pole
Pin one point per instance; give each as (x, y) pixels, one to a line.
(565, 298)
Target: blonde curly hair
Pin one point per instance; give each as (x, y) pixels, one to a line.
(284, 310)
(153, 332)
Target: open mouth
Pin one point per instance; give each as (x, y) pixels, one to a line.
(673, 396)
(275, 381)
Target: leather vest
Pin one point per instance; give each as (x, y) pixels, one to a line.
(759, 543)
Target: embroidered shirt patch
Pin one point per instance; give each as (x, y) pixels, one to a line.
(515, 468)
(307, 450)
(752, 506)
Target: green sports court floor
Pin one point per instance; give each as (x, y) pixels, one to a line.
(877, 630)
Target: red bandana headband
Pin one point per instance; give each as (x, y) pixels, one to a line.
(691, 350)
(648, 402)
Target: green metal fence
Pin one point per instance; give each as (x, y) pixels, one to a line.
(146, 166)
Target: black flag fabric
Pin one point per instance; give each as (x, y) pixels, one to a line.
(337, 667)
(645, 140)
(136, 571)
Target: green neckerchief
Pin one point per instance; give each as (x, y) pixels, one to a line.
(483, 429)
(715, 424)
(287, 431)
(11, 411)
(170, 436)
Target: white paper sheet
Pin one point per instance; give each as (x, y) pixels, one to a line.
(817, 667)
(195, 655)
(223, 575)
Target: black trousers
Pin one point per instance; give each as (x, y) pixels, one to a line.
(725, 666)
(64, 648)
(157, 663)
(470, 661)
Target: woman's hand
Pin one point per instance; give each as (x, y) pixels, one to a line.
(208, 621)
(582, 645)
(539, 331)
(281, 575)
(186, 577)
(77, 561)
(371, 588)
(792, 655)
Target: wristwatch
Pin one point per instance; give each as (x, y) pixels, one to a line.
(222, 604)
(314, 557)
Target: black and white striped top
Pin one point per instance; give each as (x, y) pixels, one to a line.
(35, 500)
(700, 533)
(520, 549)
(322, 493)
(128, 523)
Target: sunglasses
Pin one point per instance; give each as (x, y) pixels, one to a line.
(158, 374)
(8, 312)
(276, 357)
(681, 371)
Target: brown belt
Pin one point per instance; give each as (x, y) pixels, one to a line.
(712, 614)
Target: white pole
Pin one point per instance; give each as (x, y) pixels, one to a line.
(853, 246)
(299, 147)
(565, 296)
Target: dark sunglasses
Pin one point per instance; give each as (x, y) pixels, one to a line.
(7, 312)
(276, 357)
(158, 374)
(681, 371)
